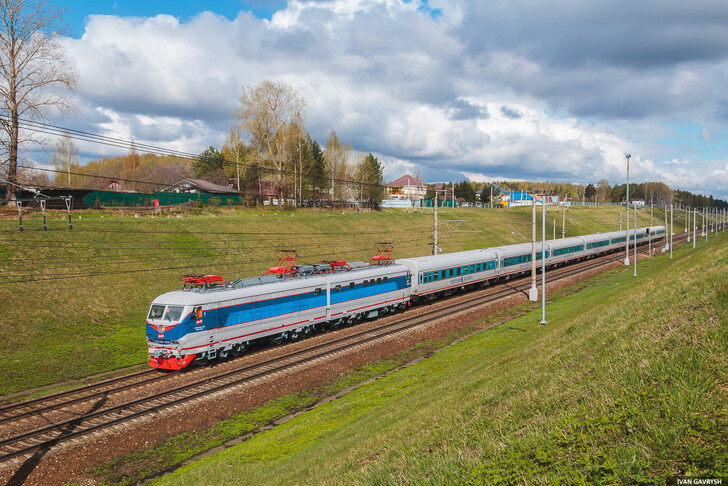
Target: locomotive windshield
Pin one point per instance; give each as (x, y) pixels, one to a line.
(170, 313)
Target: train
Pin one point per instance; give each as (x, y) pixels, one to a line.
(211, 318)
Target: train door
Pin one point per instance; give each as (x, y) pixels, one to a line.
(211, 321)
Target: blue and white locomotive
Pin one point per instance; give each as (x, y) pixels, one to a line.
(212, 317)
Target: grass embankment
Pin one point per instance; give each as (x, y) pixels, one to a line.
(73, 302)
(627, 384)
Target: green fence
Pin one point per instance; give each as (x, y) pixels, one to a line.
(98, 199)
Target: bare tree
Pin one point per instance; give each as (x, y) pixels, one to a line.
(65, 158)
(266, 112)
(604, 190)
(35, 76)
(234, 150)
(336, 157)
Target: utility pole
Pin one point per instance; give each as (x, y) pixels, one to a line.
(563, 220)
(649, 240)
(667, 237)
(626, 257)
(687, 221)
(635, 239)
(533, 291)
(620, 216)
(543, 261)
(434, 245)
(695, 224)
(672, 230)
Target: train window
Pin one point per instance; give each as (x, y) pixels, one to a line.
(385, 279)
(379, 280)
(338, 288)
(198, 312)
(156, 312)
(371, 282)
(365, 283)
(317, 291)
(173, 313)
(351, 285)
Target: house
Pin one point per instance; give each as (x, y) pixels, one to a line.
(406, 187)
(198, 186)
(114, 185)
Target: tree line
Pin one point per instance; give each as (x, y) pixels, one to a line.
(657, 193)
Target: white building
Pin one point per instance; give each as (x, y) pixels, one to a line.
(406, 187)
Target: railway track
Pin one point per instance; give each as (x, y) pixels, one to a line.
(25, 444)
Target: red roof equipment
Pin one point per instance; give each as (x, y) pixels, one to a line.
(384, 254)
(203, 280)
(286, 260)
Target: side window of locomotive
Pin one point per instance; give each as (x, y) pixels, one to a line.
(156, 312)
(317, 291)
(351, 285)
(338, 288)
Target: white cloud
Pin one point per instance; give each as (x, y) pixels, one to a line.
(507, 90)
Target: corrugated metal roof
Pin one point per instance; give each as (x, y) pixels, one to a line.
(212, 188)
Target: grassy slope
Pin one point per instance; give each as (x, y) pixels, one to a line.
(633, 392)
(78, 323)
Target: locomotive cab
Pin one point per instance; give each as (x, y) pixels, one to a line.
(164, 319)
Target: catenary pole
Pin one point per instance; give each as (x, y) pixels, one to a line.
(563, 220)
(543, 260)
(667, 227)
(635, 239)
(695, 223)
(687, 221)
(672, 230)
(626, 256)
(649, 240)
(533, 292)
(434, 246)
(620, 216)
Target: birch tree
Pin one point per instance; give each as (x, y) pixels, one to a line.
(64, 159)
(266, 112)
(336, 156)
(35, 76)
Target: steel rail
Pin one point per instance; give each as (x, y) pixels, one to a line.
(63, 431)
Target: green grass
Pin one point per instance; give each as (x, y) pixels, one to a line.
(633, 392)
(73, 302)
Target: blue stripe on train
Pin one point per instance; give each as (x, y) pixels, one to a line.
(264, 309)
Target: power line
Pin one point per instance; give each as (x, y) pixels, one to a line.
(49, 129)
(245, 263)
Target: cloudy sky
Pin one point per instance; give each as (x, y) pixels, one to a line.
(498, 89)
